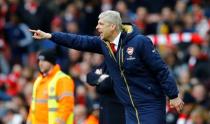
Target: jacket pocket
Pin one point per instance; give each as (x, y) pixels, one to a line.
(156, 91)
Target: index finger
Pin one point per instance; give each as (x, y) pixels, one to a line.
(34, 31)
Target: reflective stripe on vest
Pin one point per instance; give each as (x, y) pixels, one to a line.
(52, 99)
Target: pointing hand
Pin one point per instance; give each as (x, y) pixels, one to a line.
(38, 34)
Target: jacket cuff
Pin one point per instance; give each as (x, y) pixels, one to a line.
(53, 35)
(173, 96)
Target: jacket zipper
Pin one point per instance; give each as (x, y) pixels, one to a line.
(127, 86)
(123, 75)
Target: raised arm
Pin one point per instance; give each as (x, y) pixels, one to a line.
(79, 42)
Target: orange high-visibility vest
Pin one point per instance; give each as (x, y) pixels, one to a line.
(52, 101)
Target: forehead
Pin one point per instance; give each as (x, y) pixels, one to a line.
(41, 58)
(100, 20)
(44, 62)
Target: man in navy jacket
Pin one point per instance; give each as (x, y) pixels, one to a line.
(141, 78)
(111, 110)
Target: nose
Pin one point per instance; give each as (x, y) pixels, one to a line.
(40, 63)
(97, 27)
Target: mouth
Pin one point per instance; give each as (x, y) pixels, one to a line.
(100, 33)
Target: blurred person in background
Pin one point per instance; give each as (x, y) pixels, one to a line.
(190, 104)
(188, 21)
(199, 116)
(106, 5)
(180, 8)
(141, 78)
(206, 44)
(201, 22)
(111, 110)
(141, 18)
(165, 25)
(80, 114)
(198, 63)
(53, 93)
(93, 117)
(75, 56)
(125, 13)
(33, 13)
(200, 94)
(96, 60)
(19, 39)
(82, 96)
(71, 13)
(89, 18)
(11, 81)
(12, 117)
(4, 63)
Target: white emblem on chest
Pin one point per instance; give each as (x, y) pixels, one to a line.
(130, 50)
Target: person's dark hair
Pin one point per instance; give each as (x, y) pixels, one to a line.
(49, 55)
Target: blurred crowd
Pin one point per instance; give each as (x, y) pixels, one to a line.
(189, 61)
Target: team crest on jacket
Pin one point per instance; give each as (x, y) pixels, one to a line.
(130, 50)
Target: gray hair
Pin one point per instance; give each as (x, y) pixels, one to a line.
(112, 17)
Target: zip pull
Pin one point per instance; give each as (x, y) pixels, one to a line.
(120, 55)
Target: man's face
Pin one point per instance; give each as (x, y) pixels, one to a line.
(105, 29)
(44, 66)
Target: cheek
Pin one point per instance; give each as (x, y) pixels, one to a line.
(105, 34)
(45, 65)
(105, 30)
(108, 33)
(42, 65)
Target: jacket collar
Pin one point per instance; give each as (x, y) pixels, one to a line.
(52, 72)
(128, 32)
(116, 40)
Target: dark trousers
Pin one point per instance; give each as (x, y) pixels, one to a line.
(111, 112)
(150, 113)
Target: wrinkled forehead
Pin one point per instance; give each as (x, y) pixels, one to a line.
(104, 21)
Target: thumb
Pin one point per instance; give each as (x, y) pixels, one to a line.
(171, 104)
(103, 77)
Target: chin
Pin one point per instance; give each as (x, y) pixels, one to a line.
(41, 71)
(102, 38)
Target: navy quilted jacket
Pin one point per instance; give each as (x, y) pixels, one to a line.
(139, 74)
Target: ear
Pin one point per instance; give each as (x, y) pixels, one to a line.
(113, 26)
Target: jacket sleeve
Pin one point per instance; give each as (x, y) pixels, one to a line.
(106, 86)
(158, 67)
(65, 93)
(79, 42)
